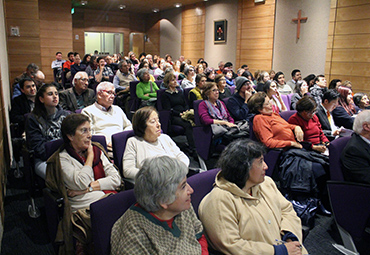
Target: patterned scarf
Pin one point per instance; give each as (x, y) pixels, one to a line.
(217, 112)
(97, 166)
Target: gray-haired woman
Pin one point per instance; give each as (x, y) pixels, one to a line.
(146, 89)
(163, 220)
(245, 213)
(188, 81)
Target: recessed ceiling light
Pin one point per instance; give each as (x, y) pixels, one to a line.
(122, 6)
(155, 10)
(83, 2)
(178, 5)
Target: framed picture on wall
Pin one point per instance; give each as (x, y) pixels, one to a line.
(220, 31)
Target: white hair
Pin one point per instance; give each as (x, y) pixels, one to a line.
(78, 76)
(360, 119)
(103, 86)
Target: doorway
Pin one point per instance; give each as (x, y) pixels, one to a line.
(104, 43)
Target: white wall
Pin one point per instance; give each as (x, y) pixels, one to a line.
(218, 10)
(170, 33)
(307, 53)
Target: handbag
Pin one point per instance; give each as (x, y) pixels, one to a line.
(151, 101)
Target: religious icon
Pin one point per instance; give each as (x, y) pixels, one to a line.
(220, 31)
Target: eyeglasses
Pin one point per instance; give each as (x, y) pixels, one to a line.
(191, 70)
(85, 131)
(109, 92)
(84, 79)
(312, 112)
(215, 90)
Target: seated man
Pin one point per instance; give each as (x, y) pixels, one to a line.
(329, 102)
(77, 66)
(123, 77)
(79, 96)
(163, 220)
(111, 64)
(105, 118)
(30, 72)
(68, 63)
(237, 104)
(319, 88)
(355, 157)
(24, 103)
(296, 76)
(103, 72)
(57, 65)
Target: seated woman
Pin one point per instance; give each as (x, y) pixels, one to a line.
(148, 142)
(269, 127)
(163, 220)
(188, 81)
(261, 78)
(301, 90)
(310, 124)
(221, 84)
(196, 93)
(270, 88)
(362, 101)
(229, 75)
(173, 100)
(210, 74)
(344, 114)
(245, 213)
(43, 124)
(146, 89)
(282, 87)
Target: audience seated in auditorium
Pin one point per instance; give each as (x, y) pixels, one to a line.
(361, 100)
(30, 72)
(188, 81)
(221, 66)
(79, 96)
(102, 72)
(148, 142)
(43, 124)
(181, 75)
(245, 213)
(196, 93)
(173, 100)
(272, 74)
(262, 78)
(335, 83)
(199, 69)
(109, 63)
(145, 64)
(229, 76)
(225, 91)
(282, 87)
(168, 69)
(319, 88)
(355, 157)
(133, 58)
(301, 90)
(68, 63)
(86, 59)
(146, 89)
(123, 77)
(310, 80)
(270, 88)
(306, 118)
(210, 74)
(82, 173)
(77, 66)
(163, 220)
(345, 111)
(296, 76)
(329, 102)
(237, 104)
(91, 67)
(23, 104)
(57, 65)
(105, 118)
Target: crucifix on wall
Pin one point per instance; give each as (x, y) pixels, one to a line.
(299, 20)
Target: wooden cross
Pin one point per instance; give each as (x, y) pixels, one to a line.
(299, 19)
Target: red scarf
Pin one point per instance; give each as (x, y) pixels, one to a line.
(97, 166)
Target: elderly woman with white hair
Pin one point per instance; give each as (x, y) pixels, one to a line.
(356, 155)
(146, 89)
(163, 220)
(188, 81)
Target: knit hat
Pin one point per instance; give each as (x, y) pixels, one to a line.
(240, 81)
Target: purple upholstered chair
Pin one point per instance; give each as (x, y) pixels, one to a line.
(335, 150)
(134, 101)
(186, 95)
(104, 213)
(287, 114)
(202, 184)
(119, 141)
(286, 101)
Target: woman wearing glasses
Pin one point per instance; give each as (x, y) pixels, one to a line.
(188, 81)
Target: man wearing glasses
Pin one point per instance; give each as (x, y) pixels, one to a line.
(105, 118)
(79, 96)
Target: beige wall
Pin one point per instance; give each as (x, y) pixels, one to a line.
(307, 53)
(219, 10)
(170, 33)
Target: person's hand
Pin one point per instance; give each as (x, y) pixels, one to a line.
(229, 124)
(95, 185)
(298, 133)
(319, 148)
(336, 132)
(101, 65)
(293, 248)
(247, 94)
(304, 90)
(296, 145)
(90, 151)
(73, 193)
(147, 94)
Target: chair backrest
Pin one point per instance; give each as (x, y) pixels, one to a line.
(232, 89)
(202, 184)
(225, 100)
(186, 95)
(104, 213)
(134, 100)
(160, 92)
(335, 150)
(351, 206)
(286, 101)
(119, 141)
(196, 112)
(287, 114)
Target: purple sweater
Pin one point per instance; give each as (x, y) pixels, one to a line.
(205, 118)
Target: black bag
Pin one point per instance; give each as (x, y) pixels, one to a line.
(306, 208)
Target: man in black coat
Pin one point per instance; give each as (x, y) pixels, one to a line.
(355, 157)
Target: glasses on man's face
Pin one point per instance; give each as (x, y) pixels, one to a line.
(110, 92)
(85, 131)
(84, 79)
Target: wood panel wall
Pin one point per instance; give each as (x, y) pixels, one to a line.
(348, 51)
(255, 36)
(192, 31)
(55, 33)
(23, 49)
